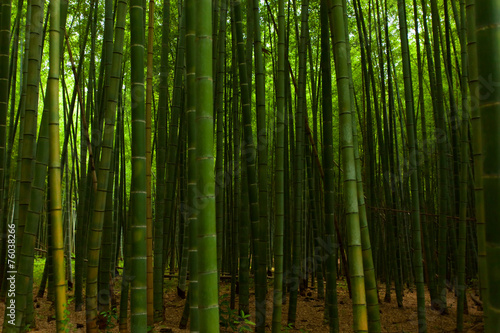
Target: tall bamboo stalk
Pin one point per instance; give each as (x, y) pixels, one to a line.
(262, 152)
(410, 125)
(464, 175)
(5, 21)
(207, 243)
(297, 273)
(95, 232)
(329, 184)
(55, 168)
(279, 174)
(27, 148)
(138, 188)
(356, 273)
(441, 138)
(161, 144)
(477, 151)
(190, 21)
(149, 210)
(487, 32)
(248, 152)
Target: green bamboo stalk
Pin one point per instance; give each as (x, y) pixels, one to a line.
(262, 151)
(103, 84)
(368, 266)
(424, 172)
(149, 208)
(207, 244)
(329, 183)
(248, 152)
(384, 150)
(356, 274)
(55, 168)
(183, 214)
(369, 145)
(242, 187)
(279, 174)
(104, 166)
(138, 195)
(82, 221)
(219, 91)
(126, 277)
(117, 205)
(443, 162)
(487, 30)
(26, 256)
(464, 173)
(190, 21)
(6, 160)
(173, 137)
(392, 174)
(477, 150)
(27, 150)
(237, 171)
(160, 167)
(104, 277)
(5, 20)
(297, 272)
(410, 121)
(20, 115)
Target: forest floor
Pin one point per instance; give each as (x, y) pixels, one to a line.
(310, 312)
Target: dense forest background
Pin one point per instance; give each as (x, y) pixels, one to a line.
(267, 148)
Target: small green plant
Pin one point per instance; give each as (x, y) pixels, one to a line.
(230, 320)
(290, 327)
(247, 324)
(111, 317)
(227, 316)
(67, 321)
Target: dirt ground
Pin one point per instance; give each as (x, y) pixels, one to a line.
(310, 313)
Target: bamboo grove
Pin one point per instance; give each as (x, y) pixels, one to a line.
(270, 146)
